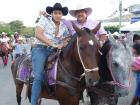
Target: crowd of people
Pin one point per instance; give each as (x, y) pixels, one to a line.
(14, 45)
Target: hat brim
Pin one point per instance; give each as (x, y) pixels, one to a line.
(64, 10)
(88, 11)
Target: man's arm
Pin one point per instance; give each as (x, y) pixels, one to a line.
(103, 37)
(39, 33)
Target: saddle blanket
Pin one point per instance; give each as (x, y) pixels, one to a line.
(26, 75)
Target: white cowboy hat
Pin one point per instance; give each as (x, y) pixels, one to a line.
(116, 34)
(3, 33)
(81, 7)
(20, 39)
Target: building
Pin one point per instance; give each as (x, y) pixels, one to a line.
(135, 11)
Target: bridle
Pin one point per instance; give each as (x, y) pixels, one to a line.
(85, 69)
(110, 69)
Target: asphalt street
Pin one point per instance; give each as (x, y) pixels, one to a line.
(8, 96)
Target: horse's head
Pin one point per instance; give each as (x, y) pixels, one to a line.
(87, 52)
(120, 59)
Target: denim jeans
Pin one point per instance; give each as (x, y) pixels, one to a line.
(39, 57)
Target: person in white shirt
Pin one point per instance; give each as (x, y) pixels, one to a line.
(19, 48)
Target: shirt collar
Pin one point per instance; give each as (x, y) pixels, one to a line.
(61, 23)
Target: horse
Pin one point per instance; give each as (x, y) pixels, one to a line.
(4, 51)
(114, 72)
(77, 68)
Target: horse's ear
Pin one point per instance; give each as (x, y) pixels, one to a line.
(111, 38)
(129, 39)
(76, 28)
(95, 30)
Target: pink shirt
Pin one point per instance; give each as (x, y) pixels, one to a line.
(88, 24)
(136, 63)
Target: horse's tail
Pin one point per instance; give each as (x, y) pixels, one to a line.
(14, 71)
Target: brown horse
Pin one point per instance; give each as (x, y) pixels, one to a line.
(77, 68)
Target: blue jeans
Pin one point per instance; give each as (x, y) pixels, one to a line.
(39, 57)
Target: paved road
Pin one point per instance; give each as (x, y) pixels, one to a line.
(7, 90)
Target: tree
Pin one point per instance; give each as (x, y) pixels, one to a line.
(112, 29)
(16, 25)
(4, 27)
(28, 31)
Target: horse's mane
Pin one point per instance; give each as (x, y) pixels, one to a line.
(73, 38)
(103, 65)
(69, 45)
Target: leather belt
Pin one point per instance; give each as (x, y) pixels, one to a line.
(43, 46)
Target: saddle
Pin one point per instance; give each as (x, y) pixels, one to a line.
(52, 59)
(24, 72)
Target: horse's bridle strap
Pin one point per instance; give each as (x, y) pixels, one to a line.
(89, 70)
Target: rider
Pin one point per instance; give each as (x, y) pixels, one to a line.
(16, 36)
(49, 32)
(5, 39)
(81, 14)
(19, 48)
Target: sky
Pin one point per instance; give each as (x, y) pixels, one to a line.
(28, 10)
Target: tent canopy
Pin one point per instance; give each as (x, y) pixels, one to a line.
(132, 27)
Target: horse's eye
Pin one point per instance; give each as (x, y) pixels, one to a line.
(81, 47)
(115, 64)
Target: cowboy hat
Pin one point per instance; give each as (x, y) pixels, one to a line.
(57, 6)
(20, 39)
(81, 7)
(116, 34)
(3, 33)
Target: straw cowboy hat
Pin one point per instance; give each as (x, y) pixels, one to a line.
(3, 33)
(116, 34)
(20, 39)
(81, 7)
(57, 6)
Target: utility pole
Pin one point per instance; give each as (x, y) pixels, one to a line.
(120, 14)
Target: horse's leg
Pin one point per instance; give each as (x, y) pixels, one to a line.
(94, 100)
(29, 94)
(139, 101)
(3, 58)
(6, 59)
(69, 103)
(19, 88)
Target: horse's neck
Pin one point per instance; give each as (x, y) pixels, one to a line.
(103, 65)
(70, 61)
